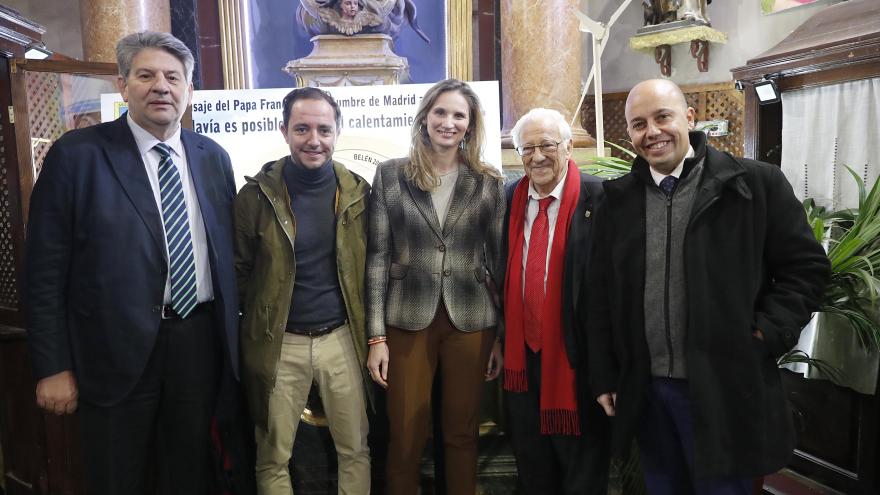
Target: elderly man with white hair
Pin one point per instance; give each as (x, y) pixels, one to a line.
(559, 434)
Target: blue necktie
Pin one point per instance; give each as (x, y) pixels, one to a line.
(181, 261)
(667, 185)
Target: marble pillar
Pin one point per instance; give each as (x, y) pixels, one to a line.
(185, 27)
(105, 21)
(540, 62)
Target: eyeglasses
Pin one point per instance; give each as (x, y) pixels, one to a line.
(546, 148)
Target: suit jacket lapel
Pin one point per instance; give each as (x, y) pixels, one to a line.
(125, 161)
(201, 173)
(465, 187)
(423, 202)
(577, 239)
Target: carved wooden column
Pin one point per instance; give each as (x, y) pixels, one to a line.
(540, 62)
(104, 22)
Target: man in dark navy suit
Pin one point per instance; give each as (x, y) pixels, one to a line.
(131, 297)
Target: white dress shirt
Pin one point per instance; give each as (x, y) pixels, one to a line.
(658, 177)
(531, 214)
(145, 143)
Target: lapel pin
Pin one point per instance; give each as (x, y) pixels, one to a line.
(587, 214)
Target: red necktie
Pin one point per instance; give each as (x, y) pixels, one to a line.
(536, 266)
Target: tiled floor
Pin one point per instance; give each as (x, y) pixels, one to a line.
(314, 467)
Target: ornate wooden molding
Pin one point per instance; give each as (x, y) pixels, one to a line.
(459, 39)
(841, 35)
(234, 44)
(13, 19)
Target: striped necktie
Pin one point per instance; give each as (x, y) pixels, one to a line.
(181, 261)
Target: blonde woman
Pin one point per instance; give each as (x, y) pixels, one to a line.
(434, 239)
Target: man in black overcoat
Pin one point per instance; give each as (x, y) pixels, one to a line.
(710, 271)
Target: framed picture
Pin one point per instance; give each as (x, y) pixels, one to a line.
(774, 6)
(259, 38)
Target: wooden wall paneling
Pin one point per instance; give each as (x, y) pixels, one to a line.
(849, 56)
(614, 120)
(848, 450)
(485, 40)
(11, 226)
(20, 421)
(208, 18)
(18, 79)
(711, 101)
(849, 72)
(751, 123)
(41, 450)
(770, 133)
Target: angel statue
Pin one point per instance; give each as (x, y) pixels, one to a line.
(351, 17)
(659, 11)
(694, 10)
(662, 11)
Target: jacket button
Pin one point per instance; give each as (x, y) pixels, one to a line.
(447, 272)
(442, 248)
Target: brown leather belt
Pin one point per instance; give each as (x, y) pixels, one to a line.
(319, 331)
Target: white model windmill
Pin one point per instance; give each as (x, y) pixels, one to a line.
(600, 34)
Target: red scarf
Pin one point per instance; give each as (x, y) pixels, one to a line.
(558, 401)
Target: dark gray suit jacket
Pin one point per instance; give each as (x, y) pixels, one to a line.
(412, 262)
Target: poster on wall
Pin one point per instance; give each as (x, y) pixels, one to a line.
(275, 34)
(774, 6)
(376, 123)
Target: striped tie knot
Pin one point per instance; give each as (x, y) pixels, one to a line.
(164, 150)
(181, 259)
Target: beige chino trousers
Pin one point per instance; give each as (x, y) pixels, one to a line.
(330, 361)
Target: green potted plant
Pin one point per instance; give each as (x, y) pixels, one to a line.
(847, 341)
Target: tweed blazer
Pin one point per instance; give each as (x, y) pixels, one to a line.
(412, 262)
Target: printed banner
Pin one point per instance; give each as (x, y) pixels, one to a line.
(376, 123)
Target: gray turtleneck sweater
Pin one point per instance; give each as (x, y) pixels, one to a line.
(317, 299)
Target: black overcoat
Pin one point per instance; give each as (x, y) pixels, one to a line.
(751, 262)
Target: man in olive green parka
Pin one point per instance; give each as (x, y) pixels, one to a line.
(300, 249)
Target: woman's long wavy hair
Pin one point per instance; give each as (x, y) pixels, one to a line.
(419, 168)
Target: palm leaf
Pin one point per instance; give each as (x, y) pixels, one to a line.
(798, 356)
(611, 167)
